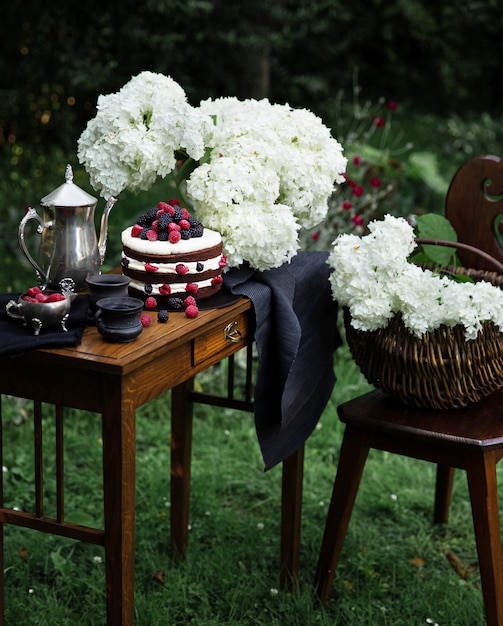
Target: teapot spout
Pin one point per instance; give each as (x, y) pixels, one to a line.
(102, 241)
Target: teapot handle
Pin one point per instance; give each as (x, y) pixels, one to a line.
(31, 214)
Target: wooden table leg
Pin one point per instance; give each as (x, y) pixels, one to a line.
(119, 484)
(181, 451)
(291, 511)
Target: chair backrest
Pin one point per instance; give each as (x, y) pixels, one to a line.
(474, 207)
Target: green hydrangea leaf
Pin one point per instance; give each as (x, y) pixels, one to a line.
(434, 226)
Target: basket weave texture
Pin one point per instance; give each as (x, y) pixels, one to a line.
(440, 370)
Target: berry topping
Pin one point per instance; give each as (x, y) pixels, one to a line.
(143, 234)
(163, 316)
(174, 236)
(136, 230)
(181, 269)
(150, 268)
(145, 319)
(165, 290)
(150, 302)
(217, 280)
(173, 226)
(192, 311)
(148, 289)
(32, 291)
(196, 231)
(184, 224)
(185, 214)
(174, 202)
(223, 261)
(164, 221)
(152, 235)
(125, 262)
(189, 300)
(199, 266)
(176, 303)
(191, 288)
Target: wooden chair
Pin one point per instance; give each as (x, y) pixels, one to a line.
(470, 438)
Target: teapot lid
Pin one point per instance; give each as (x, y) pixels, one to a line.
(68, 194)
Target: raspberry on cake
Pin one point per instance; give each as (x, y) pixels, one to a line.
(169, 254)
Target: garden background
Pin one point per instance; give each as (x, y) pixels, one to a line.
(411, 89)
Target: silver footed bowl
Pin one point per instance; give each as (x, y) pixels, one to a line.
(41, 314)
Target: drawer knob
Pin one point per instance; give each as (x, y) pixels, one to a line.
(232, 332)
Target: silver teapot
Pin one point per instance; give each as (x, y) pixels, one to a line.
(69, 249)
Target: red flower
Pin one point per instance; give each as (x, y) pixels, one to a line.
(356, 160)
(392, 106)
(357, 220)
(351, 183)
(357, 191)
(346, 205)
(315, 236)
(379, 122)
(375, 182)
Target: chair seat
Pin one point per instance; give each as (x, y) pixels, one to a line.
(479, 424)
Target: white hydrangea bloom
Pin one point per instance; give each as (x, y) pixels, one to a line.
(372, 276)
(254, 228)
(133, 138)
(275, 158)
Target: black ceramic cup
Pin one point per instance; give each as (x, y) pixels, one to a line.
(106, 286)
(118, 319)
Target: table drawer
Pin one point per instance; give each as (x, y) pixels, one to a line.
(229, 337)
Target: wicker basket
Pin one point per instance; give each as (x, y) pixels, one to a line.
(439, 370)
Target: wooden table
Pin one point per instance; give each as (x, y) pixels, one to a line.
(113, 380)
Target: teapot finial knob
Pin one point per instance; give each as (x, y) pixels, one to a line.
(69, 174)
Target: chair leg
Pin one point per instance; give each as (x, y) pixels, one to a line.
(291, 509)
(482, 484)
(443, 493)
(353, 455)
(181, 451)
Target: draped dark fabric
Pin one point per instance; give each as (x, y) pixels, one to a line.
(296, 336)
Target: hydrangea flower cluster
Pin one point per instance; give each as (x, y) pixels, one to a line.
(268, 170)
(136, 132)
(373, 278)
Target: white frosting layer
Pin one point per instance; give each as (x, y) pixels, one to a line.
(209, 239)
(170, 268)
(176, 288)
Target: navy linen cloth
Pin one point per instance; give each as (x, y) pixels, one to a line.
(296, 336)
(15, 338)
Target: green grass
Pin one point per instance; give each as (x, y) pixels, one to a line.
(393, 568)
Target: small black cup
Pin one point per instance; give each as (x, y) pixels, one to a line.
(106, 286)
(118, 319)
